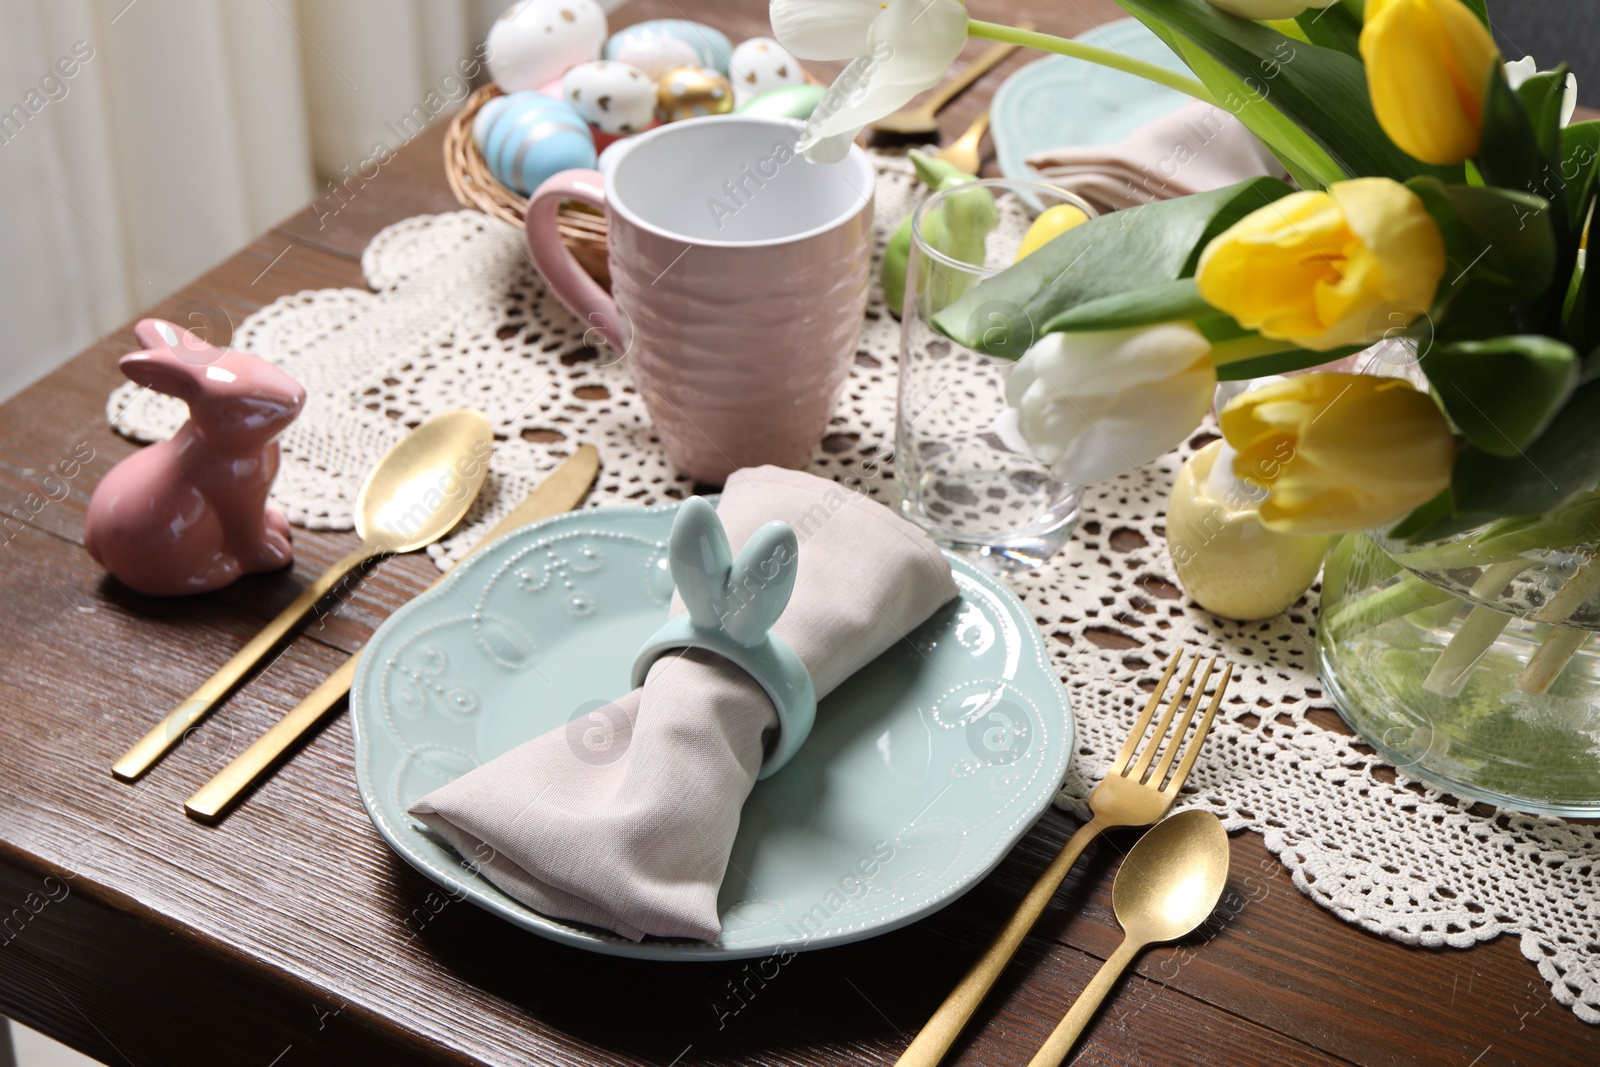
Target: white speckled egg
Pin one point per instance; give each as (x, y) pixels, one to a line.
(536, 41)
(613, 97)
(526, 137)
(661, 45)
(761, 65)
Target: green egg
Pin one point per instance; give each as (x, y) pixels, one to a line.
(790, 102)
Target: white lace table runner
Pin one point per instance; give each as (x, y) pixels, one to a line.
(457, 317)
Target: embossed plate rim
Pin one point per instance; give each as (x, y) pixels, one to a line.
(407, 840)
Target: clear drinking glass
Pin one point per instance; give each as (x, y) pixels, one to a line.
(956, 477)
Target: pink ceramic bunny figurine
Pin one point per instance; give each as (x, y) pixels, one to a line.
(190, 514)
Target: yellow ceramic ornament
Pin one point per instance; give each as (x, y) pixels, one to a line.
(1051, 223)
(690, 92)
(1228, 562)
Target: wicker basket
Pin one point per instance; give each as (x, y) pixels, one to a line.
(582, 228)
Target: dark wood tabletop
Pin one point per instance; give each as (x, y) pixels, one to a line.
(290, 934)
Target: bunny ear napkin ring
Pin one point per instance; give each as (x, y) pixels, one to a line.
(733, 604)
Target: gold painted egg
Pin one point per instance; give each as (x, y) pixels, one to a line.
(690, 92)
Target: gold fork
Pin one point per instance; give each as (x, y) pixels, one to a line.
(1132, 794)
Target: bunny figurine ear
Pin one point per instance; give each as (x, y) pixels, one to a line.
(701, 561)
(160, 335)
(731, 609)
(761, 582)
(160, 370)
(169, 360)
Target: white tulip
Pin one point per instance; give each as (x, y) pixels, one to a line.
(1520, 70)
(896, 50)
(1095, 405)
(1268, 9)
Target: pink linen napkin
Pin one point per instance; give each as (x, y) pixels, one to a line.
(1190, 150)
(639, 842)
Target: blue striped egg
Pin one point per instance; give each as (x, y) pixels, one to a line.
(526, 137)
(630, 44)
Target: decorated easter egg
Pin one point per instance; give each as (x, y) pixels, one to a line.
(536, 41)
(690, 92)
(529, 137)
(1051, 223)
(1224, 557)
(792, 102)
(761, 65)
(647, 45)
(613, 97)
(655, 55)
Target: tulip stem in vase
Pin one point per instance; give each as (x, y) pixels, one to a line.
(1409, 594)
(1562, 643)
(1061, 46)
(1551, 658)
(1482, 626)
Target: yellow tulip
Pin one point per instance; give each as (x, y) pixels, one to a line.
(1339, 452)
(1428, 66)
(1326, 269)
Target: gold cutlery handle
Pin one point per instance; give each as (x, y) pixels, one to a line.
(941, 1031)
(561, 491)
(1067, 1031)
(153, 745)
(246, 767)
(990, 58)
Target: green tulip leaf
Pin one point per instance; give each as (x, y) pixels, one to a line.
(1542, 96)
(1291, 359)
(1336, 26)
(1321, 90)
(1577, 170)
(1173, 301)
(1556, 468)
(1307, 162)
(1132, 249)
(1494, 239)
(1509, 155)
(1502, 393)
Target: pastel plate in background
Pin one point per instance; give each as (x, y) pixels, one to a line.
(922, 772)
(1059, 100)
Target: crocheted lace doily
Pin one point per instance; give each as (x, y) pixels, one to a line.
(457, 317)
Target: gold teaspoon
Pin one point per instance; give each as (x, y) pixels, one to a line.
(1167, 886)
(411, 498)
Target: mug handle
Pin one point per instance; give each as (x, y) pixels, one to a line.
(571, 284)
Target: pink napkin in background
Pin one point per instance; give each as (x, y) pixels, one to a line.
(1191, 150)
(638, 842)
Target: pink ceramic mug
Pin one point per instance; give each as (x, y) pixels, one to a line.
(739, 275)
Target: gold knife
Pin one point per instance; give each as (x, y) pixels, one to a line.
(560, 492)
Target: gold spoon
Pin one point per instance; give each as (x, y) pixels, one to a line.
(561, 491)
(416, 493)
(1168, 884)
(923, 119)
(962, 153)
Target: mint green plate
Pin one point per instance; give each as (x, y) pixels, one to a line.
(923, 770)
(1059, 100)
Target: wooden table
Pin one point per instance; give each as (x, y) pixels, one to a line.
(290, 934)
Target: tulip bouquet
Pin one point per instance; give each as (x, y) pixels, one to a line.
(1442, 200)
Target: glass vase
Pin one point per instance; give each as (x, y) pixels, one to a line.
(1471, 664)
